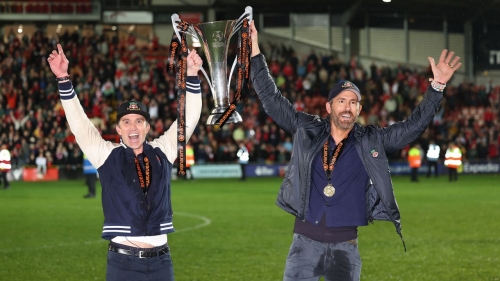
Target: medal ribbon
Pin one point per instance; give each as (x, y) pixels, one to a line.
(243, 67)
(335, 155)
(144, 185)
(178, 62)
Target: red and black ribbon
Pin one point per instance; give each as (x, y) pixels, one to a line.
(335, 156)
(178, 62)
(243, 70)
(144, 183)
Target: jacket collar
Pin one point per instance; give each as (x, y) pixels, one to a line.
(129, 152)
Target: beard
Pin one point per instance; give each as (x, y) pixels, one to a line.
(340, 123)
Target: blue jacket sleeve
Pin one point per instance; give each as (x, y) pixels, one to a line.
(404, 132)
(275, 104)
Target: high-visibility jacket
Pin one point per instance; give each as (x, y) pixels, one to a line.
(433, 152)
(414, 158)
(5, 160)
(453, 157)
(189, 156)
(88, 168)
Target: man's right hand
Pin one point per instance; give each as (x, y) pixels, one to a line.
(255, 39)
(58, 62)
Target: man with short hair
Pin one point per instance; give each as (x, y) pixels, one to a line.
(338, 177)
(135, 176)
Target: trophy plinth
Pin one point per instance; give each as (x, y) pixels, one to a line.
(218, 111)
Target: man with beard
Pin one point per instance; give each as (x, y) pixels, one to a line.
(338, 177)
(134, 174)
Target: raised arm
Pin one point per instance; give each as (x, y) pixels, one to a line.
(168, 141)
(404, 132)
(275, 104)
(87, 136)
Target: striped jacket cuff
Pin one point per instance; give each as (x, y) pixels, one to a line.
(193, 84)
(166, 227)
(66, 90)
(116, 229)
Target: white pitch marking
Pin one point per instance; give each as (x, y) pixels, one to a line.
(206, 222)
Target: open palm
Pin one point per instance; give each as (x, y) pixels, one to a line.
(446, 66)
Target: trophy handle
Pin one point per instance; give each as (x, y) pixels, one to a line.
(248, 14)
(231, 73)
(249, 11)
(175, 20)
(208, 79)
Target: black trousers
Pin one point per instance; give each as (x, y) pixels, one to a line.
(452, 172)
(431, 164)
(5, 180)
(91, 182)
(414, 173)
(243, 171)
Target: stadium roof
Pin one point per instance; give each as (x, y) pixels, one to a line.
(455, 10)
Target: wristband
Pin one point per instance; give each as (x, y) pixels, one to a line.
(64, 78)
(437, 86)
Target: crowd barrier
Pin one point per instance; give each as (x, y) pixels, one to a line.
(234, 171)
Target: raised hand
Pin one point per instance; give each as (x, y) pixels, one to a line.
(446, 66)
(255, 39)
(58, 62)
(194, 63)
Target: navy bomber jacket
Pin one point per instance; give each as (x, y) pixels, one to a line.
(127, 212)
(310, 133)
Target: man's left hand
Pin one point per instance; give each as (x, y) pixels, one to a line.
(194, 63)
(446, 66)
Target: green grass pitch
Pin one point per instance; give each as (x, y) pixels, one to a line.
(232, 230)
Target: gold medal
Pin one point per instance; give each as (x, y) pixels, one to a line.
(329, 190)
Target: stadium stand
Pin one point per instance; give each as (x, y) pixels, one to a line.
(106, 71)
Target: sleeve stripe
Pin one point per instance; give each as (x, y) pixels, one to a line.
(66, 91)
(193, 87)
(68, 95)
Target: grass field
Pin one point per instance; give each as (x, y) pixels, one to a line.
(229, 230)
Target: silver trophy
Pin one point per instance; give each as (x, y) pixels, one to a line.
(214, 38)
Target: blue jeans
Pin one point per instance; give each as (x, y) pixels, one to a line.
(308, 260)
(121, 267)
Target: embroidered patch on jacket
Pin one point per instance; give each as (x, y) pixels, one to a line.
(374, 153)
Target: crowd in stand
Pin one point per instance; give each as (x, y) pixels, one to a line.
(106, 71)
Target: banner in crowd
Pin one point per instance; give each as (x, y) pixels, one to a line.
(255, 170)
(216, 171)
(127, 17)
(476, 167)
(32, 174)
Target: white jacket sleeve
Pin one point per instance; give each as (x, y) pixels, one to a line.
(168, 141)
(87, 136)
